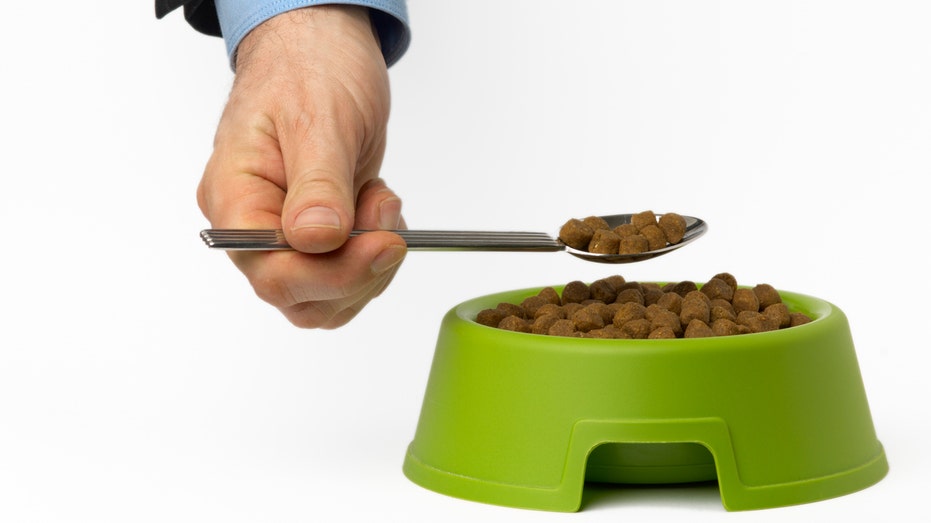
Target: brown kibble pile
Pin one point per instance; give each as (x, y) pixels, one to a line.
(645, 232)
(618, 309)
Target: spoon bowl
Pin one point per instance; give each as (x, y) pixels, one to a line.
(694, 228)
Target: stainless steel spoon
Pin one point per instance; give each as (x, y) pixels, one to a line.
(439, 240)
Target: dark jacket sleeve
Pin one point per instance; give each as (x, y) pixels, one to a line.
(201, 14)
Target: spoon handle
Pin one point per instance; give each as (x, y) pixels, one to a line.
(438, 240)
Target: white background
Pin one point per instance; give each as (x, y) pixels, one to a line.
(141, 379)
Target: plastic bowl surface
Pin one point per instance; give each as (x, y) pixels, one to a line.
(517, 419)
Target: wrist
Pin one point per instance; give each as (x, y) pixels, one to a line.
(306, 31)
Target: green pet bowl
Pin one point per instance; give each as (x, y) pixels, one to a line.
(524, 420)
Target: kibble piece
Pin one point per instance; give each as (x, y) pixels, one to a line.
(612, 332)
(626, 229)
(615, 306)
(562, 328)
(637, 329)
(627, 312)
(722, 310)
(586, 320)
(728, 278)
(755, 321)
(718, 302)
(604, 241)
(635, 244)
(576, 234)
(683, 287)
(531, 304)
(542, 324)
(630, 295)
(666, 319)
(653, 310)
(767, 295)
(695, 306)
(662, 333)
(618, 333)
(513, 323)
(697, 295)
(671, 301)
(551, 295)
(490, 317)
(655, 236)
(673, 227)
(550, 308)
(724, 327)
(571, 308)
(697, 329)
(745, 300)
(575, 292)
(512, 309)
(798, 318)
(778, 313)
(645, 286)
(616, 280)
(652, 295)
(642, 219)
(596, 223)
(602, 309)
(603, 290)
(717, 288)
(630, 285)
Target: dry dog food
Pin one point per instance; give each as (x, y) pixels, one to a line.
(645, 232)
(615, 308)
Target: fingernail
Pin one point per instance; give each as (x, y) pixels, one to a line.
(317, 217)
(388, 258)
(389, 213)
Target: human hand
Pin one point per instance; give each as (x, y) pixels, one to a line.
(299, 147)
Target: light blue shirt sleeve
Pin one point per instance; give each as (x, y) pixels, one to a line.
(238, 17)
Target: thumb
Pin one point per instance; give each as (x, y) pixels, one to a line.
(318, 210)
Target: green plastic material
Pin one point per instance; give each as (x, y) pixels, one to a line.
(523, 420)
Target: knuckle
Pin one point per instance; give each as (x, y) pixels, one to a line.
(273, 291)
(318, 181)
(312, 315)
(325, 315)
(282, 292)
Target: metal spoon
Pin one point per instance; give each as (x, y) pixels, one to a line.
(273, 239)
